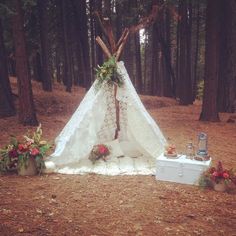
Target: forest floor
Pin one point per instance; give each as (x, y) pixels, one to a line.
(58, 204)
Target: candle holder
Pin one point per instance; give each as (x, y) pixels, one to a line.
(202, 146)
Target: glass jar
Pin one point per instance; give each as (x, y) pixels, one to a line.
(190, 151)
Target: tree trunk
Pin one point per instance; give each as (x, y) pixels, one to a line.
(177, 66)
(68, 57)
(98, 32)
(167, 77)
(139, 82)
(37, 67)
(7, 107)
(155, 78)
(80, 8)
(92, 35)
(185, 57)
(232, 57)
(169, 82)
(27, 114)
(209, 106)
(227, 72)
(196, 52)
(150, 76)
(44, 39)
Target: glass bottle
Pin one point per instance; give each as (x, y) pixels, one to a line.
(190, 151)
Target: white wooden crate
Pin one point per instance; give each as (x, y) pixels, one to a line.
(181, 170)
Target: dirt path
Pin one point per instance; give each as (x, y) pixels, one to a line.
(121, 205)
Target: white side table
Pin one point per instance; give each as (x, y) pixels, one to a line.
(181, 170)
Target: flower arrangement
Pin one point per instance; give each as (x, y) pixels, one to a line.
(17, 154)
(170, 151)
(107, 73)
(99, 151)
(216, 175)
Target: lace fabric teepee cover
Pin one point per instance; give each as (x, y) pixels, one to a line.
(94, 122)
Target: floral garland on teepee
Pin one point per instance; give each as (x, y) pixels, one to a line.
(107, 73)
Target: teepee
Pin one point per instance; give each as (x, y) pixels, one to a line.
(114, 116)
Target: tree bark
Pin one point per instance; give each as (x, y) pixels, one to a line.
(92, 35)
(196, 52)
(68, 56)
(37, 67)
(98, 32)
(80, 8)
(209, 106)
(45, 49)
(27, 114)
(7, 107)
(155, 64)
(169, 82)
(139, 81)
(185, 94)
(79, 47)
(227, 72)
(177, 62)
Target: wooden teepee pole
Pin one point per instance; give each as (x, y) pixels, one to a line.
(117, 106)
(117, 48)
(108, 30)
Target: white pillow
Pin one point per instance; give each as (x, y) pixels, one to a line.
(115, 149)
(130, 149)
(50, 167)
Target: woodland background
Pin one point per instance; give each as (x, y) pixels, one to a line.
(187, 53)
(47, 59)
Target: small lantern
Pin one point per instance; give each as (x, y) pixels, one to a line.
(202, 145)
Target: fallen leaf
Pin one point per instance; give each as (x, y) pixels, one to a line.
(20, 230)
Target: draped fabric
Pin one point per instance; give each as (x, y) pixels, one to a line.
(94, 122)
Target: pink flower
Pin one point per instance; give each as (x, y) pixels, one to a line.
(29, 143)
(34, 152)
(215, 174)
(225, 175)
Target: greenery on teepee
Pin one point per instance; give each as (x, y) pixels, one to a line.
(107, 73)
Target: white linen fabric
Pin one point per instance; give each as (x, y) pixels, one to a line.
(94, 122)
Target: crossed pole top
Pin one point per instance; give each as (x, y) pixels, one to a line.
(117, 48)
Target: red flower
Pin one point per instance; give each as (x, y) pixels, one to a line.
(225, 175)
(215, 174)
(22, 147)
(34, 152)
(102, 149)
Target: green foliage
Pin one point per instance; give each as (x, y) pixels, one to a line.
(107, 73)
(132, 12)
(4, 162)
(17, 154)
(5, 10)
(29, 3)
(205, 182)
